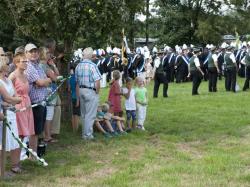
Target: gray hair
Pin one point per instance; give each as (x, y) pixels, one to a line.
(87, 53)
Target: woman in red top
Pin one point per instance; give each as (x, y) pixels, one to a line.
(115, 95)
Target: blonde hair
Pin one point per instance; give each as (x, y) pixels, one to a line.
(105, 107)
(138, 80)
(116, 74)
(17, 57)
(43, 53)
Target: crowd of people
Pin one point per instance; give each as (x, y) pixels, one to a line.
(32, 74)
(107, 117)
(179, 64)
(27, 78)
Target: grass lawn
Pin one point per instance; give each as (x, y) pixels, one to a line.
(190, 141)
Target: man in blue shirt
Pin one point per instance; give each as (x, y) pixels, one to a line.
(87, 89)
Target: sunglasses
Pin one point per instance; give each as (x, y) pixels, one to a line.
(24, 61)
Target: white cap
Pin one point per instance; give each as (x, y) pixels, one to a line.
(224, 45)
(155, 50)
(184, 46)
(146, 54)
(109, 49)
(166, 48)
(116, 51)
(145, 48)
(29, 47)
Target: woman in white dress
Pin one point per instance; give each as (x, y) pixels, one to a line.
(11, 144)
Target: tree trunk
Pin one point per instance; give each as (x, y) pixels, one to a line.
(65, 69)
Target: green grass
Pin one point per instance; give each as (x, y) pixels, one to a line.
(190, 141)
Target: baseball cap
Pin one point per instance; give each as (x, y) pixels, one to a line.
(29, 47)
(19, 50)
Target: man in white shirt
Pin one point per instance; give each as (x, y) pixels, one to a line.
(230, 62)
(213, 70)
(195, 71)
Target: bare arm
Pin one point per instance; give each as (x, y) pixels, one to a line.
(97, 86)
(43, 82)
(7, 98)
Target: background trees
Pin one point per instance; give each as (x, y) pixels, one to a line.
(80, 23)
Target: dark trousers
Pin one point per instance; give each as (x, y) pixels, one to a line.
(212, 77)
(196, 78)
(246, 85)
(172, 74)
(230, 80)
(181, 75)
(160, 78)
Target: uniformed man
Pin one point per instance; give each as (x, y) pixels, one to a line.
(161, 68)
(195, 71)
(246, 62)
(181, 65)
(213, 70)
(230, 69)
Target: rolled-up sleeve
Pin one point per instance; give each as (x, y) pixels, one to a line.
(32, 74)
(96, 75)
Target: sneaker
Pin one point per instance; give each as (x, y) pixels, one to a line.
(107, 135)
(114, 133)
(89, 138)
(139, 127)
(142, 128)
(128, 130)
(123, 133)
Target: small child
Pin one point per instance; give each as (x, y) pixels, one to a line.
(116, 121)
(75, 102)
(141, 102)
(115, 95)
(130, 104)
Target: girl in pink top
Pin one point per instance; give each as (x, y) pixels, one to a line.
(115, 95)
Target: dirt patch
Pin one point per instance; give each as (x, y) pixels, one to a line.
(136, 152)
(190, 149)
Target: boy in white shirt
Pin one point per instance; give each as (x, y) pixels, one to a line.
(130, 104)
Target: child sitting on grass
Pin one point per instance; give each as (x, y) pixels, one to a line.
(130, 104)
(104, 120)
(141, 101)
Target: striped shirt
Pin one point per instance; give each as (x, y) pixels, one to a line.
(87, 73)
(34, 72)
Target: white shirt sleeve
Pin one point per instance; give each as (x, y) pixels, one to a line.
(233, 58)
(215, 57)
(197, 62)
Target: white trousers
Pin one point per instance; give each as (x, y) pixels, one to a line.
(141, 114)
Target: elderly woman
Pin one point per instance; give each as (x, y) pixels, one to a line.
(6, 85)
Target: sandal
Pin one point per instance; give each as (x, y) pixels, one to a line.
(51, 140)
(16, 170)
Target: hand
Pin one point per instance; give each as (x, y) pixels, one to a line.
(77, 103)
(18, 100)
(1, 116)
(51, 62)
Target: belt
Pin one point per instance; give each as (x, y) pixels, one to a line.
(83, 86)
